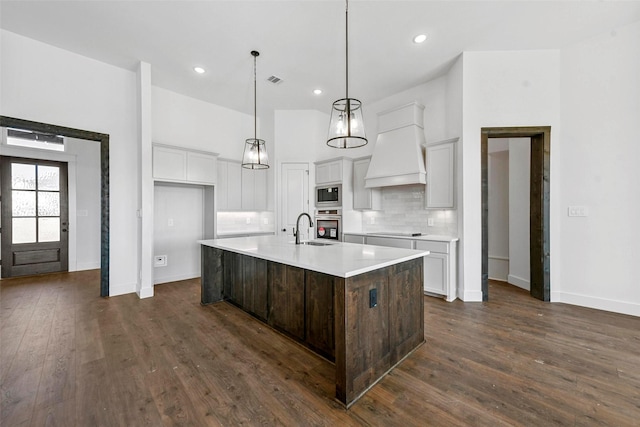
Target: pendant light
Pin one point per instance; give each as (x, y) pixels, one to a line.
(255, 151)
(346, 127)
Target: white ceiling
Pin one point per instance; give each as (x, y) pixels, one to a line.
(303, 41)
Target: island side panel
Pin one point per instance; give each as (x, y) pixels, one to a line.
(255, 286)
(286, 299)
(233, 287)
(319, 322)
(406, 308)
(363, 353)
(211, 277)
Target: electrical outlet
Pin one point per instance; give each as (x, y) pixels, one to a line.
(372, 220)
(265, 221)
(160, 261)
(373, 298)
(248, 220)
(430, 222)
(170, 222)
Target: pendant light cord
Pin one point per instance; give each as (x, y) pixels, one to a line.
(255, 98)
(346, 32)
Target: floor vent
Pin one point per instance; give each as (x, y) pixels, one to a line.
(275, 80)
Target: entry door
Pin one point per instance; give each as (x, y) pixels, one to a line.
(295, 196)
(34, 217)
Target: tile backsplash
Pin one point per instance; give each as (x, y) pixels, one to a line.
(403, 212)
(245, 222)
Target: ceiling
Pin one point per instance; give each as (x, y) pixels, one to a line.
(303, 42)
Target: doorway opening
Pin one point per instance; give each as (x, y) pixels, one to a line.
(103, 139)
(539, 186)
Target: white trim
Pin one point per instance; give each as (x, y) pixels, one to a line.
(615, 306)
(472, 296)
(500, 258)
(519, 282)
(83, 266)
(115, 290)
(176, 277)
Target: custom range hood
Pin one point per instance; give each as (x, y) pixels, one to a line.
(398, 155)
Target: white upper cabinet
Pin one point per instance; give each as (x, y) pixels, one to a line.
(329, 171)
(254, 189)
(240, 189)
(441, 174)
(364, 198)
(181, 165)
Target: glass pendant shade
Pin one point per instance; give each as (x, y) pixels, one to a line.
(346, 129)
(255, 154)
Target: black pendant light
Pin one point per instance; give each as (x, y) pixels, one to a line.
(255, 151)
(346, 127)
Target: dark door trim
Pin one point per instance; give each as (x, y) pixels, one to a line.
(539, 206)
(103, 139)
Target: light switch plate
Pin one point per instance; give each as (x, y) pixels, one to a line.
(430, 222)
(578, 211)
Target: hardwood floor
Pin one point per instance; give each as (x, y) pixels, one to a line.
(69, 357)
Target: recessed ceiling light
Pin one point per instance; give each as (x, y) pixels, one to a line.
(198, 70)
(317, 91)
(420, 38)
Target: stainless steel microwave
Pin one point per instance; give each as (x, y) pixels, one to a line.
(329, 196)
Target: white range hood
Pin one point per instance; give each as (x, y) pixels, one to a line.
(398, 156)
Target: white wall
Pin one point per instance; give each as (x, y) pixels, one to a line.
(519, 212)
(178, 224)
(600, 100)
(498, 232)
(87, 202)
(82, 93)
(515, 88)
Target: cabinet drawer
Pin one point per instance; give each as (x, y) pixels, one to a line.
(427, 245)
(386, 241)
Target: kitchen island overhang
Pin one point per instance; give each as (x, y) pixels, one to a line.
(359, 306)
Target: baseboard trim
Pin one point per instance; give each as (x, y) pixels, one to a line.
(82, 266)
(115, 290)
(145, 293)
(470, 296)
(615, 306)
(519, 282)
(175, 278)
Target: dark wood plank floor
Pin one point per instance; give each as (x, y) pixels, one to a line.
(71, 358)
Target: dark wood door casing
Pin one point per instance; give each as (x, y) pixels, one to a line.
(539, 228)
(103, 139)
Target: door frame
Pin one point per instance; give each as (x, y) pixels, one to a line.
(540, 182)
(103, 139)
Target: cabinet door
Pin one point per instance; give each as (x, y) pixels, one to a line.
(351, 238)
(286, 299)
(440, 192)
(222, 186)
(233, 288)
(169, 164)
(323, 173)
(254, 190)
(319, 290)
(201, 168)
(255, 286)
(335, 171)
(234, 186)
(435, 273)
(389, 241)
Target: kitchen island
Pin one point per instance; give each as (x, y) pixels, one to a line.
(360, 307)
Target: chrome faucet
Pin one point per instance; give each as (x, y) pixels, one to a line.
(296, 232)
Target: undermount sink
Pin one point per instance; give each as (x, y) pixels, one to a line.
(315, 243)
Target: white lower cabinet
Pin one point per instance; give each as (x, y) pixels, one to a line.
(353, 238)
(440, 268)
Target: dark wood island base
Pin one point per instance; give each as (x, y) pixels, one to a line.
(366, 324)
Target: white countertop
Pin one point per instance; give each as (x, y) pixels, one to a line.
(338, 259)
(428, 237)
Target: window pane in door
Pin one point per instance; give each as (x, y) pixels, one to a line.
(24, 230)
(48, 203)
(23, 177)
(49, 178)
(48, 229)
(24, 203)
